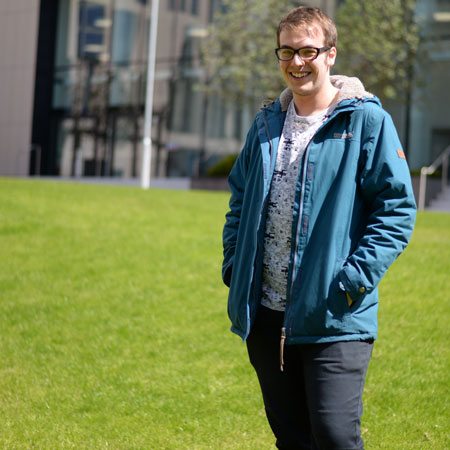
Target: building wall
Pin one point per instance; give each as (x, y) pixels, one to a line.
(430, 112)
(186, 125)
(18, 41)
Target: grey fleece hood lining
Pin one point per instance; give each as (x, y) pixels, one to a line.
(349, 88)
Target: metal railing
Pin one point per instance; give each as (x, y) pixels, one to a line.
(442, 160)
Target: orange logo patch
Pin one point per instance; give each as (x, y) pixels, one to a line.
(401, 154)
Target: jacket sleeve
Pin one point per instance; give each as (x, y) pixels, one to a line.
(388, 197)
(236, 181)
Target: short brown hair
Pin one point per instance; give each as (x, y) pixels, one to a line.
(308, 17)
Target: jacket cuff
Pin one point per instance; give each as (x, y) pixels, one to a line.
(352, 283)
(226, 273)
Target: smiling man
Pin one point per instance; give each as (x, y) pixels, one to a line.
(321, 206)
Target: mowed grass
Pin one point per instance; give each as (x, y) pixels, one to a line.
(114, 333)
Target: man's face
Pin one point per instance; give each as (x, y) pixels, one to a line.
(306, 78)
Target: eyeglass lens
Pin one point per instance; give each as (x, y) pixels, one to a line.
(286, 54)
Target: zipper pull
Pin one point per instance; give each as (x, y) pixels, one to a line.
(283, 338)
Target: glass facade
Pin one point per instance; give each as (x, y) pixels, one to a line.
(429, 132)
(99, 82)
(98, 88)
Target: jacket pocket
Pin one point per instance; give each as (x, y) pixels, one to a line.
(337, 302)
(337, 298)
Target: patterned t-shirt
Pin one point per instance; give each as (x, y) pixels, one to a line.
(296, 135)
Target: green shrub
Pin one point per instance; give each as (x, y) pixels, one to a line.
(223, 167)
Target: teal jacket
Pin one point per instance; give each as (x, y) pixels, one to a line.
(354, 213)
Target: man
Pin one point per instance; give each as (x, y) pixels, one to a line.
(321, 205)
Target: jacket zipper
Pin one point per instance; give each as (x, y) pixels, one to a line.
(300, 210)
(283, 329)
(283, 338)
(299, 223)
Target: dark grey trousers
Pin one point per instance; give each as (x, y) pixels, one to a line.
(315, 403)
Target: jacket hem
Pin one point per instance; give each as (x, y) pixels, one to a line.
(329, 339)
(240, 333)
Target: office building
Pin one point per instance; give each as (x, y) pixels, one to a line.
(73, 80)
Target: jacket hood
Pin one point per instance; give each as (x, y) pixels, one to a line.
(349, 88)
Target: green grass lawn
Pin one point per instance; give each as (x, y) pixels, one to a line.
(114, 333)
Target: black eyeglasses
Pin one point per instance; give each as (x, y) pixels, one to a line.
(305, 53)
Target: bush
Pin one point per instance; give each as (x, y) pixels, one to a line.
(223, 167)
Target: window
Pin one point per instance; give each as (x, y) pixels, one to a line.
(177, 5)
(194, 7)
(91, 32)
(443, 4)
(215, 6)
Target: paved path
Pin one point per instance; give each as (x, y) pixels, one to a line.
(165, 183)
(441, 203)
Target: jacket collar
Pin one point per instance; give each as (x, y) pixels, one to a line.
(350, 88)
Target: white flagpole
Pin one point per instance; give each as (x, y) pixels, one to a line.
(147, 141)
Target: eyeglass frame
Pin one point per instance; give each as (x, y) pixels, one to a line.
(297, 50)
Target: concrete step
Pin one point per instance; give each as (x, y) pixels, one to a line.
(441, 203)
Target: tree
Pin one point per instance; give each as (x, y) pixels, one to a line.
(240, 49)
(378, 42)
